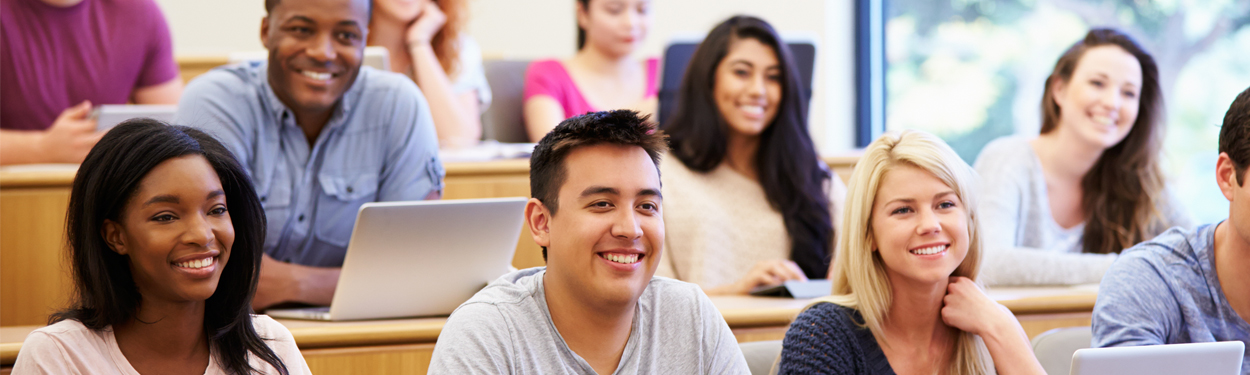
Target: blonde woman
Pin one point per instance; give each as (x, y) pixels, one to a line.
(904, 296)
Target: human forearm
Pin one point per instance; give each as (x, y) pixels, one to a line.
(315, 285)
(1010, 349)
(456, 123)
(20, 147)
(1026, 266)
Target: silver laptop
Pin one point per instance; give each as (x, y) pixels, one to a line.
(109, 115)
(1208, 358)
(420, 258)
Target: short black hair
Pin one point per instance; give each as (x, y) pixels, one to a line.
(270, 4)
(619, 127)
(104, 289)
(1235, 134)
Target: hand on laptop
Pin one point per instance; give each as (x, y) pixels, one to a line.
(71, 135)
(766, 273)
(285, 282)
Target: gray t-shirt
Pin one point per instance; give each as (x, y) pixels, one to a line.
(1023, 244)
(1166, 291)
(506, 329)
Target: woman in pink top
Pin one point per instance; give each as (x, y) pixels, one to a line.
(602, 75)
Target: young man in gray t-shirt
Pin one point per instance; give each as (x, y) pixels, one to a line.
(596, 307)
(1188, 285)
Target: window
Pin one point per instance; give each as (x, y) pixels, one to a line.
(971, 71)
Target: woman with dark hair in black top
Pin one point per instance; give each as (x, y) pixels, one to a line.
(165, 234)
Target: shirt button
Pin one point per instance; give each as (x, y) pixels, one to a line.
(349, 189)
(301, 218)
(262, 198)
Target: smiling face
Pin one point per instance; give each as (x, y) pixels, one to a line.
(919, 226)
(176, 231)
(604, 242)
(616, 27)
(403, 10)
(748, 87)
(315, 50)
(1099, 103)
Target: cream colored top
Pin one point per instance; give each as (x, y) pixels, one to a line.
(719, 224)
(69, 347)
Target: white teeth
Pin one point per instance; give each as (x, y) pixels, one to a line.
(198, 263)
(1103, 120)
(754, 109)
(623, 259)
(929, 250)
(317, 76)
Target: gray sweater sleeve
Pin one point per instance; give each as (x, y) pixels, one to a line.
(1005, 167)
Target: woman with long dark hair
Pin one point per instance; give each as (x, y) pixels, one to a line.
(165, 235)
(747, 200)
(1058, 207)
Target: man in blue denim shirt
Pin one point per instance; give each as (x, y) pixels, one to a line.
(1188, 285)
(320, 135)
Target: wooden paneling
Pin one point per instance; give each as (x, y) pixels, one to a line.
(370, 360)
(193, 66)
(33, 282)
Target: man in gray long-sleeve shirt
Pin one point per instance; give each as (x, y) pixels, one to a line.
(596, 308)
(1188, 285)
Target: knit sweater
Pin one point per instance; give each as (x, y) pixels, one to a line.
(828, 339)
(719, 224)
(1023, 243)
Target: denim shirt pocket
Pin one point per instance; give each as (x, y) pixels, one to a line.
(342, 195)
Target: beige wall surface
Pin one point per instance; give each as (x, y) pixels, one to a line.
(529, 29)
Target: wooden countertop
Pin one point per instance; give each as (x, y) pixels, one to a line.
(739, 312)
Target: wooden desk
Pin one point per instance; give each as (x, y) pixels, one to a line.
(406, 345)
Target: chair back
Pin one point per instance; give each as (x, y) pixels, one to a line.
(761, 355)
(503, 120)
(1054, 348)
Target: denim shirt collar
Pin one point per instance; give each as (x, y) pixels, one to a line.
(344, 105)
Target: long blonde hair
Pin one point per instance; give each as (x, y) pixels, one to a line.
(859, 275)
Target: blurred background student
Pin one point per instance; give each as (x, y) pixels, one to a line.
(165, 236)
(604, 74)
(428, 43)
(748, 202)
(1059, 207)
(58, 58)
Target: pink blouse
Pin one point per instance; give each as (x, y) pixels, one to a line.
(548, 77)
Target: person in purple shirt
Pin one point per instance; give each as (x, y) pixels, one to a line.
(1188, 285)
(58, 58)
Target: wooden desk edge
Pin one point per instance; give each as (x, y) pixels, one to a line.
(366, 335)
(1052, 304)
(8, 353)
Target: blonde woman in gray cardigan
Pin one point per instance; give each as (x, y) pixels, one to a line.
(747, 201)
(1059, 207)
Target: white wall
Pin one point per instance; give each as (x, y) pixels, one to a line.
(527, 29)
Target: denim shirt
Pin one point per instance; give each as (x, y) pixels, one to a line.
(1166, 291)
(379, 145)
